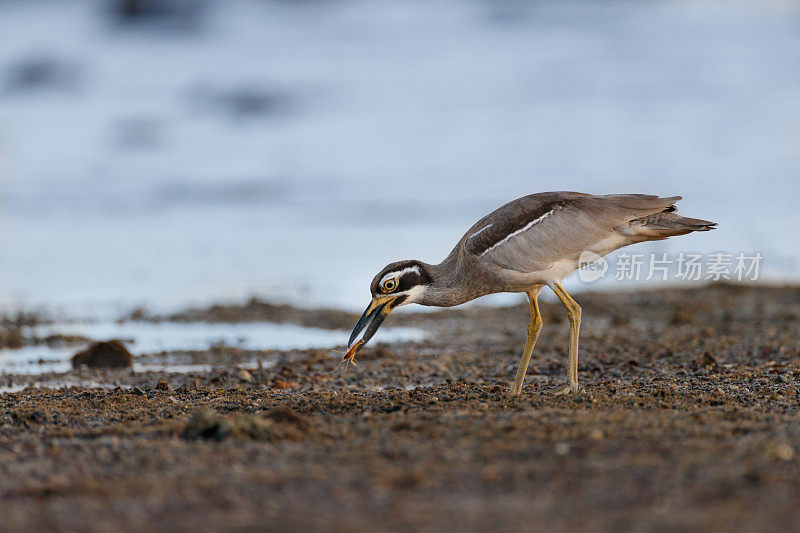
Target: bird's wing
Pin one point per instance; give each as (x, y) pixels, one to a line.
(533, 232)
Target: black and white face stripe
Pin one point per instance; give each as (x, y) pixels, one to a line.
(414, 269)
(399, 283)
(399, 278)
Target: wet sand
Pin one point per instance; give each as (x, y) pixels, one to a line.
(689, 421)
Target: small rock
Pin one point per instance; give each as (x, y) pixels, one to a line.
(12, 338)
(684, 315)
(785, 452)
(137, 391)
(244, 375)
(28, 417)
(162, 385)
(278, 425)
(285, 385)
(562, 449)
(105, 354)
(206, 424)
(284, 415)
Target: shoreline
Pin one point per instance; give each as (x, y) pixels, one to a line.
(689, 420)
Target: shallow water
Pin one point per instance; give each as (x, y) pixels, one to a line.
(292, 149)
(148, 338)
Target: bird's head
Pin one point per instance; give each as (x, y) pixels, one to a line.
(397, 284)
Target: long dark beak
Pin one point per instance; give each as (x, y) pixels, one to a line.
(371, 320)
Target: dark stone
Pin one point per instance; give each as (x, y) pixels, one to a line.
(105, 354)
(284, 415)
(709, 359)
(206, 424)
(279, 424)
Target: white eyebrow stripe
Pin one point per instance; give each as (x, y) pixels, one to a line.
(399, 273)
(527, 226)
(480, 231)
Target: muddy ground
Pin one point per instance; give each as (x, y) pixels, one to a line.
(689, 421)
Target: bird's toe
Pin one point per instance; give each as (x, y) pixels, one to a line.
(567, 389)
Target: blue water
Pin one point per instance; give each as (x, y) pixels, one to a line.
(291, 149)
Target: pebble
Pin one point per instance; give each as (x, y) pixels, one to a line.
(785, 452)
(562, 449)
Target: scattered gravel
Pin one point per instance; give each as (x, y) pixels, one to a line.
(689, 421)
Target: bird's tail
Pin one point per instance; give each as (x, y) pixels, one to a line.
(667, 224)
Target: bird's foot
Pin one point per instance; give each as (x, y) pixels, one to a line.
(569, 388)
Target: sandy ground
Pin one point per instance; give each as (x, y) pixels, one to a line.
(689, 421)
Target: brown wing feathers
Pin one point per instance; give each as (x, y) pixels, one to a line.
(565, 221)
(667, 224)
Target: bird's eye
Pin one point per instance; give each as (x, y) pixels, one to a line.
(389, 285)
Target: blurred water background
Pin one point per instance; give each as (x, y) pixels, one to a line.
(174, 153)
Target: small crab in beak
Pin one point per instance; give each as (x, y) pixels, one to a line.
(368, 324)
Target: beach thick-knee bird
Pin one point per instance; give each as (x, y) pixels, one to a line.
(534, 241)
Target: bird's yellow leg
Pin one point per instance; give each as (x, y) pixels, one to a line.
(534, 327)
(574, 314)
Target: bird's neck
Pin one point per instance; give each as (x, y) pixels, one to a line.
(447, 287)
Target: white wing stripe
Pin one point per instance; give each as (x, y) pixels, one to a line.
(527, 226)
(480, 231)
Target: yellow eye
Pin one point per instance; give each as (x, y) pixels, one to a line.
(389, 285)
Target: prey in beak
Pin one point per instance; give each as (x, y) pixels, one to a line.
(368, 324)
(397, 284)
